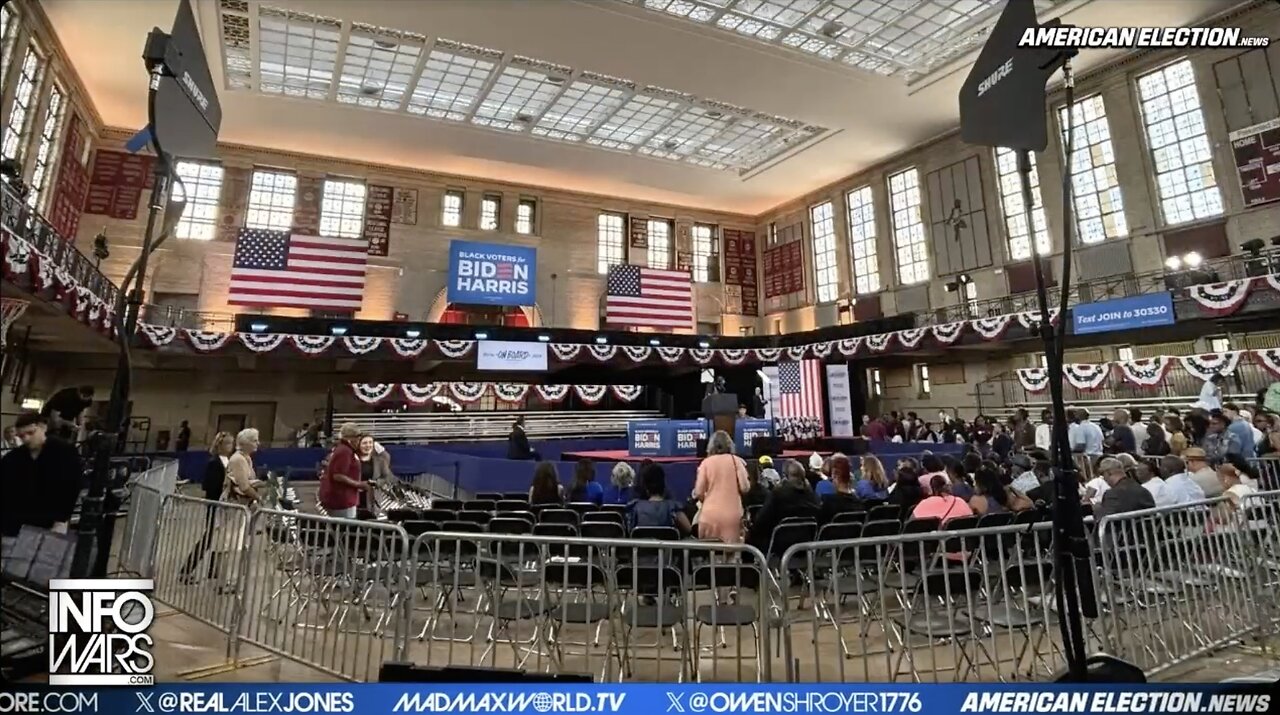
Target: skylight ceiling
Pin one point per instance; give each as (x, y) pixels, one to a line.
(307, 56)
(907, 38)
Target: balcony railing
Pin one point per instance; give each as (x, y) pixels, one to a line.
(64, 254)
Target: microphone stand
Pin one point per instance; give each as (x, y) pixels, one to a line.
(1074, 582)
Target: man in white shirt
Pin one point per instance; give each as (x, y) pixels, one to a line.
(1044, 430)
(1139, 428)
(1179, 487)
(1154, 484)
(1211, 393)
(1084, 434)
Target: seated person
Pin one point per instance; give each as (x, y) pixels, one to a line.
(874, 484)
(621, 484)
(757, 493)
(941, 504)
(657, 509)
(906, 491)
(585, 488)
(793, 497)
(546, 487)
(992, 496)
(837, 494)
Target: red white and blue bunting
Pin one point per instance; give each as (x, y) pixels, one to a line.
(733, 356)
(1221, 298)
(207, 341)
(1086, 376)
(261, 342)
(157, 335)
(878, 343)
(1030, 319)
(911, 337)
(1145, 372)
(454, 349)
(312, 345)
(702, 356)
(1033, 379)
(626, 393)
(670, 354)
(603, 353)
(991, 328)
(849, 346)
(408, 347)
(420, 394)
(468, 391)
(510, 391)
(637, 353)
(796, 353)
(1269, 359)
(768, 355)
(821, 350)
(552, 393)
(1209, 364)
(359, 345)
(566, 351)
(372, 393)
(590, 394)
(947, 333)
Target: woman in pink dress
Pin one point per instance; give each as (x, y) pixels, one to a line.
(721, 482)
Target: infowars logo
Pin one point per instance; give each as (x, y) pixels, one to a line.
(98, 632)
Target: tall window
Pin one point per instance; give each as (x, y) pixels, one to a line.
(526, 214)
(1099, 208)
(46, 151)
(451, 208)
(773, 233)
(1015, 217)
(24, 98)
(609, 240)
(823, 222)
(8, 34)
(909, 243)
(659, 243)
(922, 379)
(1179, 144)
(704, 242)
(203, 184)
(877, 385)
(862, 241)
(490, 210)
(342, 209)
(271, 197)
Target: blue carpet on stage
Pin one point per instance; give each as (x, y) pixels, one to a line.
(483, 467)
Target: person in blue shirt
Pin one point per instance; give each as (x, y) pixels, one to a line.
(621, 481)
(1240, 428)
(657, 509)
(1086, 435)
(874, 485)
(585, 488)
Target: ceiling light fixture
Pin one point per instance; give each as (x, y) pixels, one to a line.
(258, 327)
(544, 338)
(412, 333)
(601, 340)
(482, 336)
(338, 329)
(654, 342)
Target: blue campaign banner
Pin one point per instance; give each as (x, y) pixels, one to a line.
(1138, 311)
(685, 436)
(646, 699)
(746, 430)
(491, 274)
(649, 438)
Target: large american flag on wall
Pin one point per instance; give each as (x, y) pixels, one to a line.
(648, 297)
(799, 391)
(280, 270)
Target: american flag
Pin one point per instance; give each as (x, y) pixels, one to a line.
(648, 297)
(275, 269)
(800, 389)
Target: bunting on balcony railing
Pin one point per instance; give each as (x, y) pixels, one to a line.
(1145, 372)
(849, 346)
(1209, 364)
(670, 354)
(1086, 376)
(552, 393)
(637, 353)
(420, 394)
(947, 333)
(372, 393)
(565, 352)
(877, 343)
(207, 341)
(510, 391)
(360, 345)
(1033, 379)
(603, 353)
(408, 347)
(1221, 298)
(590, 394)
(312, 345)
(468, 392)
(157, 335)
(702, 356)
(823, 349)
(626, 393)
(454, 349)
(768, 355)
(732, 356)
(1269, 359)
(911, 337)
(991, 328)
(796, 353)
(261, 342)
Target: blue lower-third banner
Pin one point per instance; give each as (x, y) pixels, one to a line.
(644, 699)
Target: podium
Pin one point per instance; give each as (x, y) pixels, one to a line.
(721, 410)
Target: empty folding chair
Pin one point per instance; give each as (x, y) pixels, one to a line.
(474, 516)
(512, 595)
(480, 504)
(652, 597)
(583, 595)
(605, 516)
(885, 512)
(449, 504)
(490, 496)
(511, 505)
(440, 515)
(731, 607)
(558, 516)
(933, 611)
(402, 515)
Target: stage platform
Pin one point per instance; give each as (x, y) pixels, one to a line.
(622, 455)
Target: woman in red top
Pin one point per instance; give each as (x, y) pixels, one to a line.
(340, 485)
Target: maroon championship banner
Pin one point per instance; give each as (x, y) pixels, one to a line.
(783, 269)
(116, 184)
(377, 219)
(1257, 157)
(73, 183)
(740, 267)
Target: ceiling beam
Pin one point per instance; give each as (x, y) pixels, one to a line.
(339, 61)
(255, 48)
(414, 79)
(483, 94)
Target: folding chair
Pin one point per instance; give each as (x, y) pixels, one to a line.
(849, 517)
(449, 568)
(439, 515)
(480, 505)
(474, 516)
(447, 504)
(652, 597)
(931, 611)
(885, 512)
(558, 516)
(583, 594)
(400, 516)
(605, 516)
(504, 505)
(721, 613)
(490, 496)
(498, 579)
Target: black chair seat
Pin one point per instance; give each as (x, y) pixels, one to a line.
(589, 612)
(899, 579)
(725, 614)
(1004, 615)
(934, 624)
(662, 615)
(517, 609)
(445, 577)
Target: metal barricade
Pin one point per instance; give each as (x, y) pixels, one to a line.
(134, 556)
(1181, 580)
(1268, 469)
(199, 547)
(326, 592)
(963, 604)
(1262, 514)
(645, 610)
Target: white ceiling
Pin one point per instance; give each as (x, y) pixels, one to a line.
(619, 59)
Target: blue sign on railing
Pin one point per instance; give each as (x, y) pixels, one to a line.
(746, 430)
(1139, 311)
(491, 274)
(649, 438)
(685, 435)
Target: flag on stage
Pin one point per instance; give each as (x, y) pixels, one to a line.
(279, 270)
(800, 389)
(648, 297)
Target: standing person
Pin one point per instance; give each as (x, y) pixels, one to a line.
(64, 411)
(375, 466)
(1219, 441)
(1140, 430)
(518, 442)
(585, 488)
(1211, 393)
(877, 430)
(719, 486)
(340, 484)
(1085, 435)
(301, 435)
(1239, 426)
(41, 479)
(1122, 437)
(215, 475)
(240, 486)
(183, 443)
(1024, 433)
